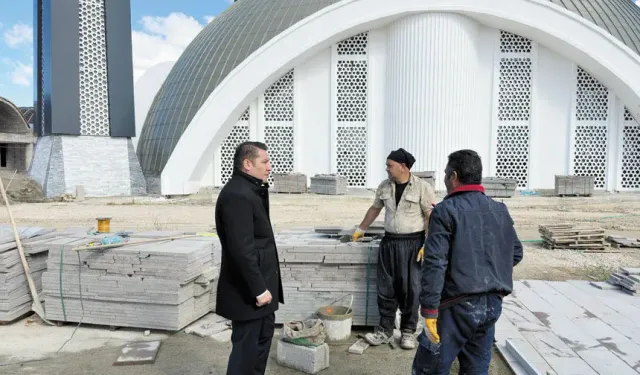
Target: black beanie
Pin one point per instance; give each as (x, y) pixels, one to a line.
(403, 157)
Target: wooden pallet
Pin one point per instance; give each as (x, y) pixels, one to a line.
(572, 237)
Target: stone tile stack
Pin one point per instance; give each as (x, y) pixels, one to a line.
(499, 187)
(160, 285)
(15, 295)
(289, 183)
(329, 184)
(318, 269)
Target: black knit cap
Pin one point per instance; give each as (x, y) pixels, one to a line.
(402, 156)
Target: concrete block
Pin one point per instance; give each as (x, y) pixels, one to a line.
(310, 360)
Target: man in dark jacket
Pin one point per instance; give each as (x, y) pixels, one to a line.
(250, 287)
(469, 257)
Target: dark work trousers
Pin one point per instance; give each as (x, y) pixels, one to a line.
(251, 344)
(466, 331)
(399, 280)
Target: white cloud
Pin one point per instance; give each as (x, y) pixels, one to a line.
(162, 39)
(211, 18)
(18, 34)
(21, 74)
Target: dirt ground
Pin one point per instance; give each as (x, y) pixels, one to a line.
(187, 354)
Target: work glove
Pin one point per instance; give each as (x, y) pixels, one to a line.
(359, 233)
(420, 256)
(431, 330)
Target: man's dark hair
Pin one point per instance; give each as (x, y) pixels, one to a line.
(468, 165)
(247, 150)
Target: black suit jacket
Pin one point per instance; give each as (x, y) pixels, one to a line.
(250, 263)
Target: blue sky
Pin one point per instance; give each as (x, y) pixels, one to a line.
(161, 29)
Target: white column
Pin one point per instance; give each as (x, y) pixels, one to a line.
(376, 151)
(432, 63)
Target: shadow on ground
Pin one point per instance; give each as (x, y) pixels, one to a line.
(187, 354)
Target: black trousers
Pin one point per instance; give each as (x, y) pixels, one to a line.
(251, 342)
(399, 280)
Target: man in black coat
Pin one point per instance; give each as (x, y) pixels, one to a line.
(250, 287)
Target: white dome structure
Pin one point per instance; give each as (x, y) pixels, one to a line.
(145, 90)
(538, 88)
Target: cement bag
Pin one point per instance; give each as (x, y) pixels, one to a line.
(309, 332)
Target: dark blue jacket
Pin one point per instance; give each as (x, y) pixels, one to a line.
(471, 249)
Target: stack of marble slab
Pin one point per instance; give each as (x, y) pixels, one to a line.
(289, 183)
(330, 184)
(317, 269)
(628, 279)
(15, 295)
(163, 285)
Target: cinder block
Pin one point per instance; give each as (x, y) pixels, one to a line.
(310, 360)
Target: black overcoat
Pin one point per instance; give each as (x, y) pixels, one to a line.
(250, 263)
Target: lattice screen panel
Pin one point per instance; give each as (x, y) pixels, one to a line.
(514, 101)
(592, 98)
(512, 159)
(351, 154)
(352, 91)
(631, 156)
(239, 134)
(590, 152)
(627, 115)
(512, 43)
(279, 139)
(356, 45)
(278, 99)
(94, 97)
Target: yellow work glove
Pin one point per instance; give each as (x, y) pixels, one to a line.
(431, 330)
(359, 233)
(420, 256)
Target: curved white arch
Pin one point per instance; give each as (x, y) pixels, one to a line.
(570, 35)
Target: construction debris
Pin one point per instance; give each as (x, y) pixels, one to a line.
(209, 326)
(160, 285)
(359, 347)
(138, 353)
(619, 242)
(572, 237)
(627, 279)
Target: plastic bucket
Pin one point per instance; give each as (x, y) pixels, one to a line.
(337, 320)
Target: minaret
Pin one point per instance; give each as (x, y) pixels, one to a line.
(83, 88)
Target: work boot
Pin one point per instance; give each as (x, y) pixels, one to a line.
(407, 341)
(378, 337)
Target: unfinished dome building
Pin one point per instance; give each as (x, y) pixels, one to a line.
(538, 87)
(16, 137)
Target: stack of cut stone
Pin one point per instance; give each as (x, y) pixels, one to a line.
(159, 285)
(329, 184)
(498, 187)
(289, 183)
(15, 295)
(628, 279)
(318, 269)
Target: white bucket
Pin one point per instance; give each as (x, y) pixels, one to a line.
(337, 321)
